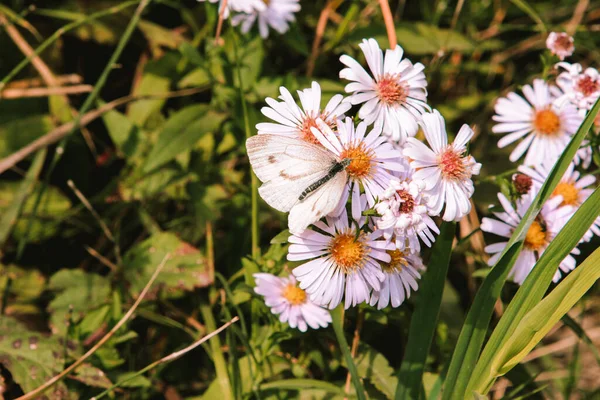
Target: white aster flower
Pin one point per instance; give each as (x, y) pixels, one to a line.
(294, 121)
(404, 215)
(401, 275)
(546, 226)
(573, 188)
(277, 14)
(373, 159)
(582, 88)
(545, 123)
(339, 261)
(444, 168)
(395, 96)
(286, 299)
(244, 6)
(560, 44)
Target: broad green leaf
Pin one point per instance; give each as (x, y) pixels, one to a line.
(124, 134)
(301, 385)
(374, 367)
(31, 357)
(19, 132)
(21, 289)
(195, 78)
(159, 37)
(534, 288)
(423, 322)
(76, 293)
(91, 376)
(474, 330)
(538, 322)
(184, 271)
(181, 132)
(136, 381)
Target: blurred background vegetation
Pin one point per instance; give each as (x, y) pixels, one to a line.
(85, 220)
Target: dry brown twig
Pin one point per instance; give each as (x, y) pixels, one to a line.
(41, 389)
(388, 18)
(355, 342)
(220, 21)
(18, 93)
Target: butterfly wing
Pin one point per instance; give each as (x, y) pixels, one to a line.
(287, 166)
(319, 204)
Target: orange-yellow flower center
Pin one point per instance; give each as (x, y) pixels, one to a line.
(294, 294)
(309, 122)
(397, 262)
(347, 251)
(361, 157)
(569, 193)
(408, 202)
(451, 164)
(587, 86)
(390, 91)
(546, 122)
(536, 236)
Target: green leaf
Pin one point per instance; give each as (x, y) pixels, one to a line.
(78, 291)
(23, 287)
(18, 132)
(373, 366)
(30, 357)
(181, 132)
(195, 78)
(529, 10)
(337, 315)
(423, 322)
(135, 382)
(184, 271)
(474, 330)
(301, 385)
(533, 289)
(91, 376)
(124, 134)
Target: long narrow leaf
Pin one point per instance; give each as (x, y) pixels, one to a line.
(424, 319)
(474, 330)
(534, 287)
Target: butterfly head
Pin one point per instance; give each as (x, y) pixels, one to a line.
(345, 162)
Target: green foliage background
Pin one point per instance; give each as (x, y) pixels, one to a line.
(166, 173)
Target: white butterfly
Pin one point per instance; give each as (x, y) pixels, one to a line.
(300, 177)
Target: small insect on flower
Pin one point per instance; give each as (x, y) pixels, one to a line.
(560, 44)
(445, 168)
(277, 14)
(291, 303)
(298, 177)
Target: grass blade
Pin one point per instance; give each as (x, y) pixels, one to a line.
(474, 330)
(337, 315)
(424, 319)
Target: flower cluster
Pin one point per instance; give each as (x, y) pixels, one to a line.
(543, 122)
(276, 14)
(367, 249)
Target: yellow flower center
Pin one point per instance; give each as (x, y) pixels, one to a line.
(390, 91)
(397, 262)
(546, 122)
(309, 122)
(347, 251)
(294, 294)
(536, 236)
(361, 157)
(569, 193)
(451, 164)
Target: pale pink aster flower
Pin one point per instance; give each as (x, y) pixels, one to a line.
(573, 188)
(373, 159)
(444, 168)
(340, 263)
(545, 123)
(546, 226)
(401, 275)
(560, 44)
(277, 14)
(404, 215)
(244, 6)
(394, 97)
(286, 299)
(582, 88)
(292, 120)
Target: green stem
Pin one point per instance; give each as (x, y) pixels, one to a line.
(337, 316)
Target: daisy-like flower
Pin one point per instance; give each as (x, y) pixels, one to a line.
(573, 188)
(395, 95)
(340, 262)
(291, 303)
(581, 87)
(401, 275)
(277, 14)
(244, 6)
(373, 160)
(403, 209)
(445, 168)
(545, 124)
(295, 121)
(560, 44)
(546, 226)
